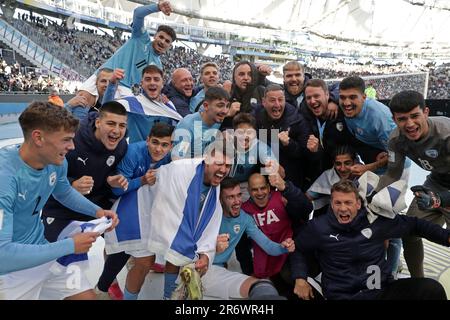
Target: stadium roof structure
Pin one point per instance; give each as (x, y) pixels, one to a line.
(383, 28)
(413, 24)
(367, 21)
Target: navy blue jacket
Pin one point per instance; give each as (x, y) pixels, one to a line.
(335, 133)
(180, 101)
(89, 158)
(291, 157)
(298, 206)
(345, 252)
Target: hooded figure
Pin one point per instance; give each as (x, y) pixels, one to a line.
(244, 89)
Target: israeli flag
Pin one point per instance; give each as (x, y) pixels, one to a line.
(142, 105)
(74, 227)
(143, 113)
(133, 210)
(388, 202)
(323, 185)
(180, 228)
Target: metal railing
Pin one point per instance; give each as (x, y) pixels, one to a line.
(46, 53)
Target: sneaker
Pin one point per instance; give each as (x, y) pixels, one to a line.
(114, 292)
(158, 268)
(101, 295)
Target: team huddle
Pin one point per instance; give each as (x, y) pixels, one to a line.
(302, 181)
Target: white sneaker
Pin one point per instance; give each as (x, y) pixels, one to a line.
(101, 295)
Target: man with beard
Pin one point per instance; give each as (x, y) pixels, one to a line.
(294, 79)
(186, 212)
(293, 134)
(327, 134)
(246, 93)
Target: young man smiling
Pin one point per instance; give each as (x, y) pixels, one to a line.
(186, 212)
(139, 167)
(426, 141)
(30, 173)
(196, 131)
(148, 107)
(139, 51)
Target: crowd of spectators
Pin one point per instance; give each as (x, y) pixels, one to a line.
(181, 57)
(439, 82)
(14, 78)
(85, 50)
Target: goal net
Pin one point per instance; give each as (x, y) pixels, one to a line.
(388, 85)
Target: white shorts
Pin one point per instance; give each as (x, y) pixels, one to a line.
(45, 282)
(139, 253)
(220, 282)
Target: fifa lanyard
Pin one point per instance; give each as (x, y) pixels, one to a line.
(321, 128)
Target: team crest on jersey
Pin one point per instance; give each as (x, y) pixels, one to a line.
(340, 126)
(236, 228)
(360, 131)
(110, 160)
(367, 233)
(52, 179)
(432, 153)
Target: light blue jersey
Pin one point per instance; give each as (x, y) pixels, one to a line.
(137, 52)
(195, 101)
(135, 164)
(23, 193)
(373, 125)
(235, 227)
(192, 136)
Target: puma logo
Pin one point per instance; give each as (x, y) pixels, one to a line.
(84, 161)
(22, 195)
(335, 236)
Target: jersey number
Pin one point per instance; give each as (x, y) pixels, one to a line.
(426, 164)
(35, 211)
